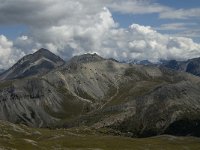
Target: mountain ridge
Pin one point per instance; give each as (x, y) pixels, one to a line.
(92, 91)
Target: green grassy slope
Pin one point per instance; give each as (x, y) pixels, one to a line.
(21, 137)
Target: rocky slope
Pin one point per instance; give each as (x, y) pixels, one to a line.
(91, 91)
(38, 63)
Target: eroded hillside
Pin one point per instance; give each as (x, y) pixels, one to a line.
(95, 92)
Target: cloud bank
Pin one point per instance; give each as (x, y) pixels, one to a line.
(68, 28)
(8, 53)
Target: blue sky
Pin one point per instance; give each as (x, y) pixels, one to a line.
(153, 20)
(122, 29)
(180, 3)
(13, 31)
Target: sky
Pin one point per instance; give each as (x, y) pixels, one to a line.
(122, 29)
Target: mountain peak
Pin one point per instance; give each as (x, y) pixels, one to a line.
(43, 50)
(40, 62)
(86, 58)
(44, 53)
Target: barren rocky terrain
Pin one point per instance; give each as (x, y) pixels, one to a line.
(98, 94)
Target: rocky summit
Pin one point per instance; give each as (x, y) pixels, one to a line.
(41, 90)
(38, 63)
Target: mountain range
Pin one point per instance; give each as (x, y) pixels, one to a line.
(191, 66)
(42, 90)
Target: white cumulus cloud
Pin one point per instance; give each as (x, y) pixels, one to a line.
(68, 28)
(8, 53)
